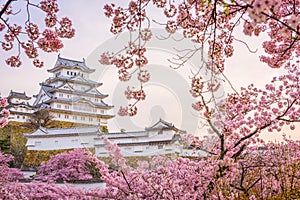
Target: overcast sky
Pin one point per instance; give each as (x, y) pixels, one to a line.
(168, 98)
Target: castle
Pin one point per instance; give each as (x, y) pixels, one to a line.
(71, 96)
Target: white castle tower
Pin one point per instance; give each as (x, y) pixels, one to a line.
(19, 107)
(69, 95)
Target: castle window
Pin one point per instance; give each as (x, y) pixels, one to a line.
(74, 73)
(68, 72)
(66, 107)
(90, 119)
(67, 116)
(82, 118)
(58, 106)
(58, 115)
(61, 95)
(160, 146)
(74, 117)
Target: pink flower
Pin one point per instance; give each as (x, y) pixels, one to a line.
(7, 46)
(3, 102)
(5, 113)
(123, 111)
(197, 86)
(32, 31)
(50, 20)
(49, 6)
(38, 63)
(3, 122)
(171, 11)
(143, 76)
(171, 26)
(13, 61)
(50, 41)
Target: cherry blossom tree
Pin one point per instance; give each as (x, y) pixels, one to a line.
(8, 174)
(213, 25)
(78, 164)
(239, 164)
(30, 37)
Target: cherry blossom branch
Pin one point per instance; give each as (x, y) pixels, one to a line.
(5, 7)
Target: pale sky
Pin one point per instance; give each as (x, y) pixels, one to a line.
(167, 89)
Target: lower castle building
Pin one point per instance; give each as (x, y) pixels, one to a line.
(160, 139)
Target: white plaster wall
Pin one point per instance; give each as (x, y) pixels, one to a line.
(140, 150)
(55, 143)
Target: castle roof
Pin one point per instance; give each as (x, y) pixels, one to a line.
(71, 112)
(19, 95)
(54, 132)
(78, 99)
(70, 64)
(163, 125)
(78, 92)
(80, 80)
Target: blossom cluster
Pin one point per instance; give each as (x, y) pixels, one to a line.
(78, 164)
(213, 25)
(4, 113)
(30, 37)
(132, 60)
